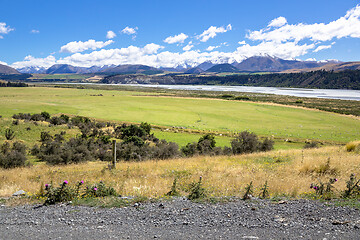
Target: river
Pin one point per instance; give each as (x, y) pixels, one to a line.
(342, 94)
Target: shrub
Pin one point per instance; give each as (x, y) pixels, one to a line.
(13, 156)
(324, 190)
(190, 149)
(99, 190)
(146, 127)
(9, 134)
(248, 191)
(173, 191)
(310, 145)
(247, 142)
(45, 136)
(63, 193)
(45, 115)
(196, 190)
(352, 187)
(132, 130)
(165, 150)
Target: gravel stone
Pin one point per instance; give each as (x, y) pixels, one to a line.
(183, 219)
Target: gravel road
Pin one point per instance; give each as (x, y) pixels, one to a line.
(183, 219)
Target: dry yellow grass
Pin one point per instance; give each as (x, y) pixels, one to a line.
(287, 172)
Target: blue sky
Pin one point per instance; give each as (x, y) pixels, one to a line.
(172, 33)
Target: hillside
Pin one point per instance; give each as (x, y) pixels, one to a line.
(131, 69)
(349, 79)
(7, 70)
(272, 64)
(195, 70)
(64, 68)
(219, 68)
(329, 67)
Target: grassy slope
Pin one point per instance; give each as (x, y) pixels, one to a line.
(202, 114)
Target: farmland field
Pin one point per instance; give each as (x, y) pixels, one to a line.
(187, 113)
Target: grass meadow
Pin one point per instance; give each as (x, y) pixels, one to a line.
(198, 114)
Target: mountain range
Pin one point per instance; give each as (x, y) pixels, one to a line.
(252, 64)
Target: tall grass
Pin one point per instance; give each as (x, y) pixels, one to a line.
(286, 172)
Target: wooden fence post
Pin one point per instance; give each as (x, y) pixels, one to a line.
(114, 153)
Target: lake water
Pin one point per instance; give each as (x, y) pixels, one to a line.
(298, 92)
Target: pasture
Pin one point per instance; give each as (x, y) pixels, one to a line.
(221, 116)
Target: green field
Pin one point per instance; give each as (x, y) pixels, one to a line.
(199, 114)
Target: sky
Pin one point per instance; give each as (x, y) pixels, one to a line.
(163, 33)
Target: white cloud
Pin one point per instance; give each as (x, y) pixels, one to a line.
(212, 31)
(347, 26)
(30, 61)
(210, 48)
(4, 29)
(79, 46)
(180, 38)
(129, 30)
(288, 50)
(34, 31)
(242, 42)
(110, 35)
(188, 47)
(278, 22)
(322, 47)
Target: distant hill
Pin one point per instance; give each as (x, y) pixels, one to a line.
(225, 67)
(7, 70)
(32, 69)
(205, 65)
(132, 69)
(329, 67)
(64, 68)
(195, 70)
(272, 64)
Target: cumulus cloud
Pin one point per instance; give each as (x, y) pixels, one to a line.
(210, 48)
(129, 30)
(288, 50)
(212, 31)
(322, 47)
(242, 42)
(188, 47)
(30, 61)
(79, 46)
(110, 35)
(278, 22)
(34, 31)
(180, 38)
(4, 29)
(347, 26)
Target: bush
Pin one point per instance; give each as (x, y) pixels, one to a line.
(9, 134)
(165, 150)
(310, 145)
(247, 142)
(99, 190)
(196, 190)
(12, 156)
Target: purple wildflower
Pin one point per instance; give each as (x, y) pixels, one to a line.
(82, 182)
(66, 182)
(95, 188)
(335, 179)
